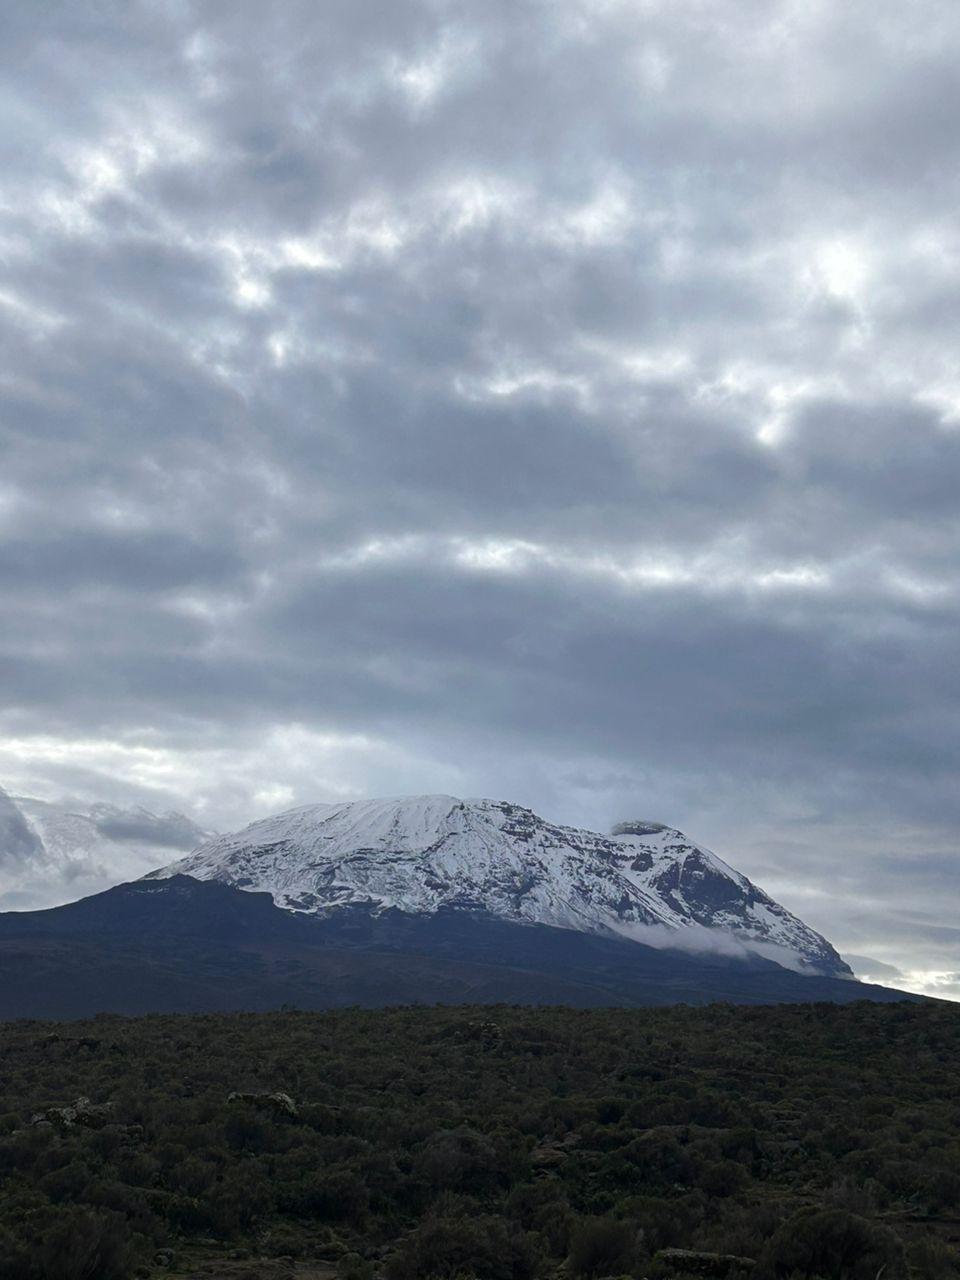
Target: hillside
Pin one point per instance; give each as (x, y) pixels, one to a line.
(185, 945)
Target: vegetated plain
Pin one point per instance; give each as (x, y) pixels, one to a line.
(503, 1143)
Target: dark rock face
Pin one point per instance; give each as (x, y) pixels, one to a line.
(638, 829)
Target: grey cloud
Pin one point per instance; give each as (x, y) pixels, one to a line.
(865, 967)
(17, 841)
(172, 830)
(120, 557)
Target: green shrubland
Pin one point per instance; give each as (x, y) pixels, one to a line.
(799, 1142)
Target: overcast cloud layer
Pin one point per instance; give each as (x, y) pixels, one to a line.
(558, 402)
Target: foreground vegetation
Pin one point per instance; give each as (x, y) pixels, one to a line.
(502, 1144)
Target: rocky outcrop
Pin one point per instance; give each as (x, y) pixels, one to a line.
(696, 1262)
(82, 1112)
(552, 1152)
(281, 1105)
(489, 1034)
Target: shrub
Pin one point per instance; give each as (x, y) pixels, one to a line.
(603, 1246)
(336, 1195)
(85, 1246)
(722, 1179)
(483, 1248)
(833, 1243)
(461, 1159)
(352, 1267)
(933, 1259)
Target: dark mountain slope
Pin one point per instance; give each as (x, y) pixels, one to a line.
(187, 945)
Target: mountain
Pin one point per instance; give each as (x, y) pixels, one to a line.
(50, 850)
(424, 899)
(423, 854)
(184, 945)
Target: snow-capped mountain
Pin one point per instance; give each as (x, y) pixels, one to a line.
(52, 853)
(420, 854)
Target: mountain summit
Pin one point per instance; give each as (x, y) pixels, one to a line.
(422, 854)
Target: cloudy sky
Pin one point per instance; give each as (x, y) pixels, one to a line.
(551, 401)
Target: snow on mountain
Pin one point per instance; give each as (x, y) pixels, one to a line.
(421, 853)
(52, 853)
